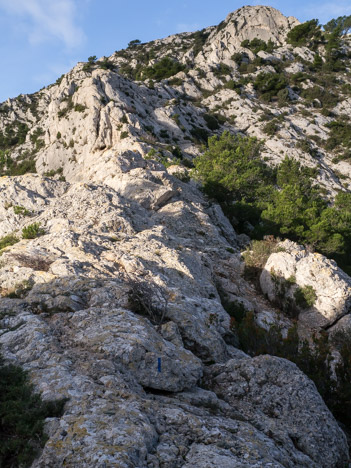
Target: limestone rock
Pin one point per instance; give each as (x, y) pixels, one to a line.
(282, 402)
(296, 267)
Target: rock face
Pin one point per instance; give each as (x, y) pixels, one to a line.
(278, 400)
(112, 221)
(75, 332)
(295, 268)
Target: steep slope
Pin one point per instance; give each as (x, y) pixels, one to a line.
(114, 265)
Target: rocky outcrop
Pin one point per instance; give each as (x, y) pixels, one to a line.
(288, 272)
(158, 382)
(135, 390)
(280, 401)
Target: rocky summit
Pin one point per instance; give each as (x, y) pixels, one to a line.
(133, 295)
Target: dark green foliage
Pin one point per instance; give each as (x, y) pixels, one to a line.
(59, 80)
(15, 134)
(32, 231)
(234, 85)
(231, 170)
(211, 121)
(317, 61)
(21, 210)
(305, 34)
(305, 297)
(53, 172)
(165, 68)
(255, 340)
(342, 24)
(339, 135)
(258, 44)
(8, 240)
(199, 134)
(63, 112)
(134, 43)
(221, 70)
(36, 140)
(269, 84)
(124, 134)
(334, 52)
(79, 108)
(200, 38)
(280, 203)
(325, 97)
(22, 416)
(11, 167)
(271, 128)
(106, 64)
(232, 165)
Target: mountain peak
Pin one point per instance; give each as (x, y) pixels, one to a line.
(261, 22)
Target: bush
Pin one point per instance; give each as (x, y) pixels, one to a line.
(163, 69)
(211, 121)
(305, 34)
(339, 134)
(14, 134)
(269, 84)
(258, 44)
(32, 231)
(148, 299)
(221, 70)
(282, 202)
(22, 417)
(271, 128)
(7, 241)
(199, 38)
(305, 297)
(21, 210)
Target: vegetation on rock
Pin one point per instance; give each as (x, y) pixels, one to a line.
(22, 417)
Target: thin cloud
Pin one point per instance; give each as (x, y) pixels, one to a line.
(47, 19)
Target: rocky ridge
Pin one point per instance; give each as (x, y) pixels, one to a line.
(141, 393)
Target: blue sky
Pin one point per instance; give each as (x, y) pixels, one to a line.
(41, 39)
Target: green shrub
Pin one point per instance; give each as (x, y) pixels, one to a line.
(14, 134)
(281, 202)
(199, 134)
(199, 38)
(53, 172)
(163, 69)
(124, 134)
(258, 44)
(21, 210)
(79, 108)
(269, 84)
(221, 70)
(22, 417)
(211, 121)
(8, 240)
(305, 34)
(271, 128)
(134, 43)
(305, 297)
(32, 231)
(339, 134)
(342, 24)
(323, 94)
